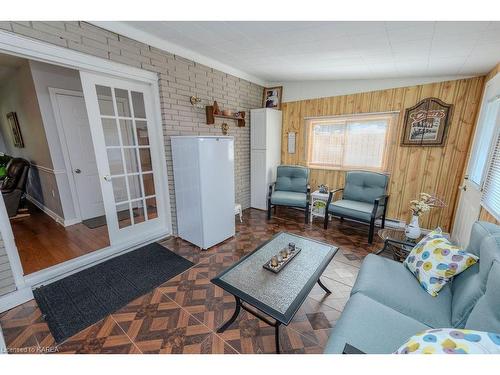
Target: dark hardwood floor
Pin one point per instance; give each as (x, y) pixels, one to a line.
(182, 315)
(43, 243)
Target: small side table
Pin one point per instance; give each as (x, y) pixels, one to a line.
(397, 243)
(318, 204)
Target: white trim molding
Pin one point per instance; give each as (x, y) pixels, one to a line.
(48, 170)
(14, 44)
(15, 298)
(3, 347)
(58, 219)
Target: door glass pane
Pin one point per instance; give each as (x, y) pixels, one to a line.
(110, 132)
(127, 131)
(119, 189)
(151, 208)
(149, 186)
(105, 100)
(134, 185)
(131, 160)
(115, 161)
(126, 137)
(122, 103)
(138, 209)
(138, 103)
(142, 132)
(145, 159)
(123, 213)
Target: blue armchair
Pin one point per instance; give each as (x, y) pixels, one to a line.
(363, 198)
(291, 189)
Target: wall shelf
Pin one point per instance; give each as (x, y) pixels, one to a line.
(211, 117)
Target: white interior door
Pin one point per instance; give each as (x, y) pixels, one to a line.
(469, 205)
(123, 124)
(468, 209)
(75, 125)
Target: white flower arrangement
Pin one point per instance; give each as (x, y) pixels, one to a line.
(424, 204)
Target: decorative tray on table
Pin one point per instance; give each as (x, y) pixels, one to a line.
(281, 259)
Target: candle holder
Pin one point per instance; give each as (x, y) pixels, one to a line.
(280, 260)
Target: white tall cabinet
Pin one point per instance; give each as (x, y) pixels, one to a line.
(265, 145)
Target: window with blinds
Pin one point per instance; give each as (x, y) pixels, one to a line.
(350, 142)
(491, 188)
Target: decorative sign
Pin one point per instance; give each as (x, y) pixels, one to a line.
(17, 136)
(291, 142)
(425, 123)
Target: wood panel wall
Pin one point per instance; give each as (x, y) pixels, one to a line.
(414, 169)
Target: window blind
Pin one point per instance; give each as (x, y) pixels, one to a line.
(491, 189)
(350, 142)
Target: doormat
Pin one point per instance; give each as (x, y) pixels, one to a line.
(84, 298)
(100, 221)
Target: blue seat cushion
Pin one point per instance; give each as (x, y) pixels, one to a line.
(371, 327)
(354, 209)
(364, 186)
(292, 178)
(289, 198)
(485, 316)
(390, 283)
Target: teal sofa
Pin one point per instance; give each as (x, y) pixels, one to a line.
(291, 189)
(363, 199)
(387, 305)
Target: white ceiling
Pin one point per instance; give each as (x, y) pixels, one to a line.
(292, 51)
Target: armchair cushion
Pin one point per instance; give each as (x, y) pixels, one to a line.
(292, 178)
(289, 198)
(354, 209)
(364, 186)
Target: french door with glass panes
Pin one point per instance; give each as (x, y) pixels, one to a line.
(123, 127)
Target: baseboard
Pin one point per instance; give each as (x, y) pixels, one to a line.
(15, 298)
(58, 219)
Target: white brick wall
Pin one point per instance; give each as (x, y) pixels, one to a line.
(179, 78)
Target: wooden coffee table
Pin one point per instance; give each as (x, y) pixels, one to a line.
(278, 296)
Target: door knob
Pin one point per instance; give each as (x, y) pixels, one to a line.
(78, 171)
(107, 178)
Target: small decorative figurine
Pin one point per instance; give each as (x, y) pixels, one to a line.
(323, 189)
(291, 246)
(216, 108)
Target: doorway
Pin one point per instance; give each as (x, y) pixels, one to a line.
(131, 203)
(74, 131)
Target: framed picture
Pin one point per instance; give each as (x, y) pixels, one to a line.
(272, 97)
(16, 130)
(425, 123)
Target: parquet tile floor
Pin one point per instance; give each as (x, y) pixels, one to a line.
(183, 314)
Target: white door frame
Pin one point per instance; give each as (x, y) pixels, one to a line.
(13, 44)
(53, 92)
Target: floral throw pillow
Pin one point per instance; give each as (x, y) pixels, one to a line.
(452, 341)
(434, 261)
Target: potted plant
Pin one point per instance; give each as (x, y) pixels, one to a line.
(418, 207)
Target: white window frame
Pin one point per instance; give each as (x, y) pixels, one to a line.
(24, 47)
(391, 127)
